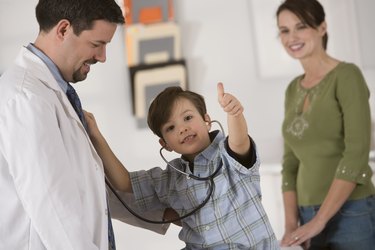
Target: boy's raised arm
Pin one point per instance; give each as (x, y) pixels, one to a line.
(238, 139)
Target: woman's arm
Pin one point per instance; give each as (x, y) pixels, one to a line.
(291, 216)
(338, 193)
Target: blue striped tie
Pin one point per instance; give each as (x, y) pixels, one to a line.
(76, 103)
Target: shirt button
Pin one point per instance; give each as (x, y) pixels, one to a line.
(343, 171)
(286, 183)
(207, 228)
(364, 175)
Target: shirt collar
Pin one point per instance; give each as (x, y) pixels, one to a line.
(216, 137)
(210, 152)
(51, 66)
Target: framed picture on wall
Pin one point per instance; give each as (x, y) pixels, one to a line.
(153, 43)
(149, 80)
(148, 11)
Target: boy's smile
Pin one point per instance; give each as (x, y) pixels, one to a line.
(186, 132)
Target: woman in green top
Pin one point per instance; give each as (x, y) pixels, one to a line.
(326, 179)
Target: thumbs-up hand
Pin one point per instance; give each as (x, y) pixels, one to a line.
(228, 102)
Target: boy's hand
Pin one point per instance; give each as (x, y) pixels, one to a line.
(92, 127)
(228, 102)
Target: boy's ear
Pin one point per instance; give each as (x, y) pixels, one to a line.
(164, 145)
(208, 121)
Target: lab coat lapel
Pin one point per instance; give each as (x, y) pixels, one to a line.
(41, 71)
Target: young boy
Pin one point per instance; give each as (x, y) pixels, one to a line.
(233, 217)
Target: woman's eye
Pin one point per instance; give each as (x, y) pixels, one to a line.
(301, 26)
(284, 31)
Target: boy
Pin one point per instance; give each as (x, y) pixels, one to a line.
(233, 217)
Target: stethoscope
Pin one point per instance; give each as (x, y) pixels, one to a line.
(209, 178)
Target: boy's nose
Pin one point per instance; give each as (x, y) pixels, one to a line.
(182, 130)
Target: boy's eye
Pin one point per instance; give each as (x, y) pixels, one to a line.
(188, 117)
(169, 128)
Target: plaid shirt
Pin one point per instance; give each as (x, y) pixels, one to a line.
(233, 218)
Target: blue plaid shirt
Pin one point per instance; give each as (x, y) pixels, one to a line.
(233, 218)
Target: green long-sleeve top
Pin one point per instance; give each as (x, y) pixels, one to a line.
(330, 139)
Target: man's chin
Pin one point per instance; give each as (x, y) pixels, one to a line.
(79, 77)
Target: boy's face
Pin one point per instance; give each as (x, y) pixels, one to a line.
(186, 132)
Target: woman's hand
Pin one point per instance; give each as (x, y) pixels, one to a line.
(303, 234)
(288, 234)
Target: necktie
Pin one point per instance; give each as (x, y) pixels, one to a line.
(76, 103)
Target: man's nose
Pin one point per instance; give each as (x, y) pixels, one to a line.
(101, 55)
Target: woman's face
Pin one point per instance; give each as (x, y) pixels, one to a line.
(299, 39)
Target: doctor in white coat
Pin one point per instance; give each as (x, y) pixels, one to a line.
(52, 190)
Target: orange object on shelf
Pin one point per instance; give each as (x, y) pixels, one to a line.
(148, 11)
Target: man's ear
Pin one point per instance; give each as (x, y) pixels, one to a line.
(164, 144)
(208, 121)
(62, 28)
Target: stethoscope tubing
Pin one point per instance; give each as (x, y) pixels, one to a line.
(188, 176)
(212, 187)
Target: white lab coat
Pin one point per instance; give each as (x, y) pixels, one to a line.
(52, 190)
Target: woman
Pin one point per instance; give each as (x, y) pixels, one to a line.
(327, 190)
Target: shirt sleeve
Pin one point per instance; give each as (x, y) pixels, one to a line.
(290, 162)
(289, 170)
(353, 96)
(150, 188)
(38, 163)
(247, 161)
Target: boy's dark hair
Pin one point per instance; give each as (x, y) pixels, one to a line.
(311, 12)
(80, 13)
(161, 107)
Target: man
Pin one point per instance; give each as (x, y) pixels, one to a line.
(51, 178)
